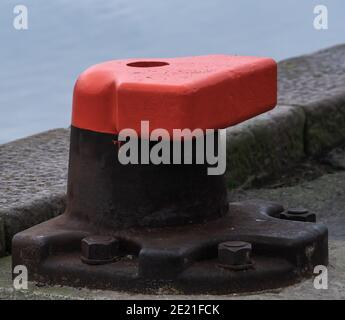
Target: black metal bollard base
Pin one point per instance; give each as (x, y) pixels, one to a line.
(163, 225)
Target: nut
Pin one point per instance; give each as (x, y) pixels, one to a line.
(99, 249)
(297, 211)
(235, 254)
(298, 214)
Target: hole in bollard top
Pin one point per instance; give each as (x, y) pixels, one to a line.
(147, 64)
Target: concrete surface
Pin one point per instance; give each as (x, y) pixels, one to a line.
(33, 176)
(315, 83)
(268, 143)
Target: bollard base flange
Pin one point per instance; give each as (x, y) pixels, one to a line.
(182, 258)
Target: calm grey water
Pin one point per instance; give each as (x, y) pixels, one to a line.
(39, 65)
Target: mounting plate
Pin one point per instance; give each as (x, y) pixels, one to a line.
(178, 257)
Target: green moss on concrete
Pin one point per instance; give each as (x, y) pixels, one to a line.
(315, 83)
(267, 144)
(325, 125)
(239, 157)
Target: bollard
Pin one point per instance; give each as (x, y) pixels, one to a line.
(145, 225)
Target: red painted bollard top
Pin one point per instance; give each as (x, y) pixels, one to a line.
(204, 92)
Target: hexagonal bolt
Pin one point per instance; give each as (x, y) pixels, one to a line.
(99, 249)
(235, 254)
(298, 214)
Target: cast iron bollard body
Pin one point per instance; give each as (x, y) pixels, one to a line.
(162, 224)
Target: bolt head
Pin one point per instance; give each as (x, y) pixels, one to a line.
(298, 214)
(234, 253)
(297, 211)
(99, 249)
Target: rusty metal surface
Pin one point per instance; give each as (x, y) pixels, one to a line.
(183, 257)
(143, 227)
(106, 193)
